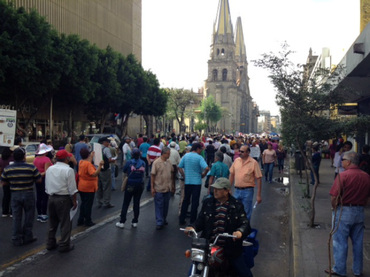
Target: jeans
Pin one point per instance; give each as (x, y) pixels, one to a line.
(146, 165)
(113, 175)
(241, 267)
(269, 170)
(7, 196)
(246, 197)
(23, 201)
(161, 202)
(87, 201)
(41, 198)
(132, 191)
(193, 192)
(316, 169)
(351, 226)
(149, 185)
(281, 164)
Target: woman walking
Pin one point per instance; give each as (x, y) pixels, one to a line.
(135, 169)
(269, 160)
(42, 162)
(87, 186)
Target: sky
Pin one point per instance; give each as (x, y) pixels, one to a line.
(176, 37)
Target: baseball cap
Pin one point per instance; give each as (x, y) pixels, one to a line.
(62, 154)
(222, 183)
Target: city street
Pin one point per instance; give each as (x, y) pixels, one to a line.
(105, 250)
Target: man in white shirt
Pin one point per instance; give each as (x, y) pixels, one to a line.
(60, 184)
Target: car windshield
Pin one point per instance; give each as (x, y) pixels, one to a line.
(31, 149)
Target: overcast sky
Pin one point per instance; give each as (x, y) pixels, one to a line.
(176, 36)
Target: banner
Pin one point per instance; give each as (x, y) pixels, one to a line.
(7, 127)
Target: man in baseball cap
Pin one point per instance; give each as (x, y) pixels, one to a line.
(60, 184)
(228, 216)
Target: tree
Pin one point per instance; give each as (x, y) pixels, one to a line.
(210, 111)
(153, 102)
(108, 94)
(304, 103)
(179, 100)
(76, 86)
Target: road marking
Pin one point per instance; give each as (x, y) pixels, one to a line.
(76, 233)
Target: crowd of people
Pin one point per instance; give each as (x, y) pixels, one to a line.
(154, 164)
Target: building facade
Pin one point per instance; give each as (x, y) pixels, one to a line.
(116, 23)
(103, 22)
(227, 79)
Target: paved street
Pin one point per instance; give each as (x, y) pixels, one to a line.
(105, 250)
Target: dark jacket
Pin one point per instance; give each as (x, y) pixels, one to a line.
(236, 221)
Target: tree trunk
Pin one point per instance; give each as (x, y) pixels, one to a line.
(124, 124)
(149, 124)
(308, 162)
(102, 122)
(70, 122)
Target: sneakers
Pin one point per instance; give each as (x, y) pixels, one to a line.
(4, 215)
(120, 225)
(42, 218)
(134, 225)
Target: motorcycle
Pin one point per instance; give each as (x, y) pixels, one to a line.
(205, 255)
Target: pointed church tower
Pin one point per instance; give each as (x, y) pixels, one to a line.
(227, 79)
(243, 79)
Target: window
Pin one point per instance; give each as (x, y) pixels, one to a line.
(222, 52)
(214, 75)
(218, 52)
(224, 74)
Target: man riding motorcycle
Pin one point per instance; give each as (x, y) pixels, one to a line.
(222, 213)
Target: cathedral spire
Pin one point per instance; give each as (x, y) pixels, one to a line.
(240, 52)
(223, 27)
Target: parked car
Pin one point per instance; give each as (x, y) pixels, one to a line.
(31, 148)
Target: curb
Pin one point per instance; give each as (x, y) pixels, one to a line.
(295, 242)
(41, 250)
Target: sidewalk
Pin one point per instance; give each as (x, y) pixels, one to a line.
(310, 245)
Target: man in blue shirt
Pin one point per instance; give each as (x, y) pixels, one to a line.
(144, 150)
(78, 146)
(193, 167)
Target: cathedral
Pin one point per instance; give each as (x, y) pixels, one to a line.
(228, 80)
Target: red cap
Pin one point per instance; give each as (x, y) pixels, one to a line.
(62, 154)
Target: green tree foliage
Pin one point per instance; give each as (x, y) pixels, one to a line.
(153, 101)
(211, 112)
(107, 96)
(304, 103)
(28, 71)
(178, 101)
(38, 66)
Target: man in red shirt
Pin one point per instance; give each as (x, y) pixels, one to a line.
(154, 152)
(349, 194)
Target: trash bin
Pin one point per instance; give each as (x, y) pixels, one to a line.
(299, 161)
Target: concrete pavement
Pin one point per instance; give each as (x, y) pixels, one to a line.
(310, 245)
(105, 250)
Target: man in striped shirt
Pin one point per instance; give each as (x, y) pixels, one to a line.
(21, 176)
(154, 152)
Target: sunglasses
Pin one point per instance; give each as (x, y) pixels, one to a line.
(344, 160)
